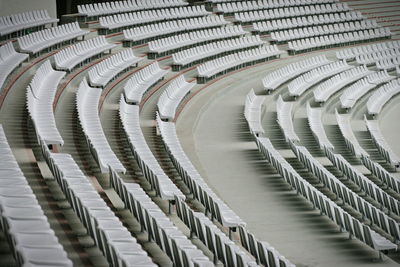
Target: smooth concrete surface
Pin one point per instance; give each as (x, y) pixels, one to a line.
(389, 122)
(215, 136)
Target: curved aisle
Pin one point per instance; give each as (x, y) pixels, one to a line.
(389, 123)
(215, 136)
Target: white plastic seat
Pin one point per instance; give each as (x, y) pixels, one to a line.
(38, 41)
(21, 217)
(155, 222)
(9, 61)
(26, 20)
(302, 83)
(102, 73)
(172, 96)
(278, 77)
(328, 207)
(129, 115)
(40, 96)
(193, 180)
(253, 112)
(381, 96)
(87, 99)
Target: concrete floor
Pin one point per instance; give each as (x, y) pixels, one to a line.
(215, 136)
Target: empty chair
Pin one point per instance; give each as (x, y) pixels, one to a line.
(72, 56)
(159, 227)
(87, 99)
(160, 182)
(40, 95)
(141, 81)
(172, 97)
(35, 42)
(212, 203)
(302, 83)
(24, 21)
(383, 147)
(105, 71)
(9, 61)
(278, 77)
(23, 222)
(253, 112)
(381, 96)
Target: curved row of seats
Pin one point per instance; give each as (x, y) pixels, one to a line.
(307, 32)
(24, 21)
(372, 58)
(121, 21)
(357, 90)
(106, 8)
(284, 110)
(371, 189)
(265, 4)
(35, 42)
(331, 40)
(153, 172)
(253, 111)
(381, 96)
(200, 225)
(22, 219)
(114, 240)
(172, 96)
(302, 83)
(188, 57)
(9, 61)
(219, 66)
(107, 70)
(314, 117)
(224, 213)
(375, 215)
(329, 208)
(304, 21)
(159, 227)
(388, 63)
(40, 95)
(222, 247)
(193, 180)
(380, 142)
(329, 87)
(353, 52)
(284, 119)
(288, 12)
(343, 121)
(282, 75)
(387, 224)
(151, 169)
(382, 174)
(168, 45)
(116, 243)
(78, 54)
(87, 101)
(264, 253)
(140, 83)
(140, 34)
(321, 202)
(357, 177)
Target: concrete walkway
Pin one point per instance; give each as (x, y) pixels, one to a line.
(215, 136)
